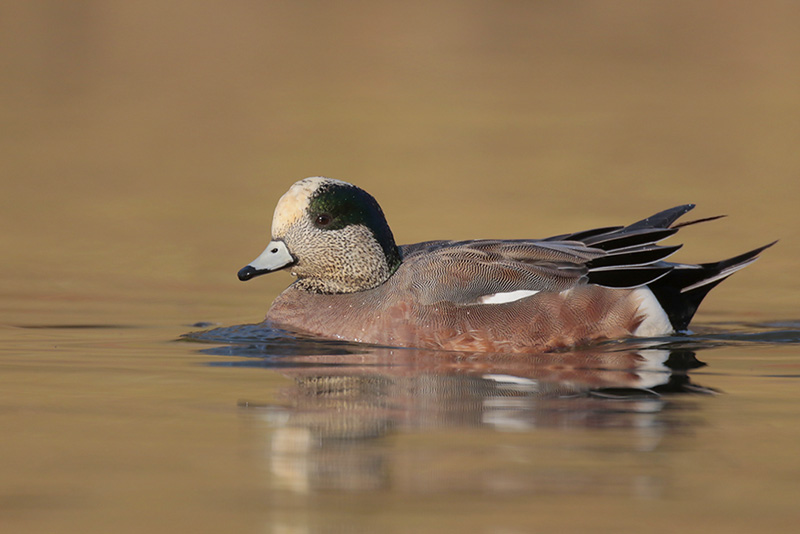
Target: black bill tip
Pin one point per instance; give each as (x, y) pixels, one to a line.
(248, 272)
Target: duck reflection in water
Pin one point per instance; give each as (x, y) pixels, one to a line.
(328, 430)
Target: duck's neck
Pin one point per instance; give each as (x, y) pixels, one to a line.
(359, 271)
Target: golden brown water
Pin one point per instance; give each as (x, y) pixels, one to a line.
(145, 144)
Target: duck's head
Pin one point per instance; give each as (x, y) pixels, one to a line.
(334, 237)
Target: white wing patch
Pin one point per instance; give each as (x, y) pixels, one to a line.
(509, 296)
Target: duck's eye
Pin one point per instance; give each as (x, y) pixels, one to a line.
(322, 220)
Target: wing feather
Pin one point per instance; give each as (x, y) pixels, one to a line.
(462, 272)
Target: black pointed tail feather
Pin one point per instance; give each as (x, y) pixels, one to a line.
(633, 259)
(697, 221)
(683, 288)
(634, 256)
(644, 232)
(629, 277)
(584, 234)
(662, 219)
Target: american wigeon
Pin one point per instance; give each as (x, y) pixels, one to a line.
(354, 282)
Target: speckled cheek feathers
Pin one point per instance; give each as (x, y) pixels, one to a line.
(336, 261)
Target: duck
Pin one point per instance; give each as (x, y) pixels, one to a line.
(354, 283)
